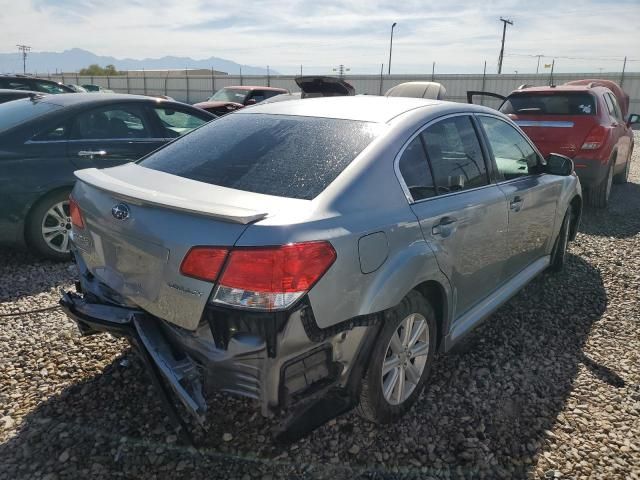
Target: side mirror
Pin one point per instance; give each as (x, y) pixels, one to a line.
(558, 164)
(633, 118)
(251, 101)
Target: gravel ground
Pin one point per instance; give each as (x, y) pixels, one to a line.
(549, 387)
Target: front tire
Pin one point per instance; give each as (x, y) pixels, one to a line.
(623, 177)
(400, 361)
(49, 225)
(598, 195)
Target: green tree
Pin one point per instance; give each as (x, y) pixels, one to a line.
(96, 70)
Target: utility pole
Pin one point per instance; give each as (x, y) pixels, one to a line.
(341, 69)
(504, 32)
(25, 49)
(391, 45)
(268, 77)
(538, 66)
(300, 69)
(624, 66)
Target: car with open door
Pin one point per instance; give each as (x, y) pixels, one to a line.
(587, 120)
(44, 138)
(314, 86)
(314, 255)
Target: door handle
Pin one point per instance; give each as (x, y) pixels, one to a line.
(92, 153)
(442, 228)
(516, 204)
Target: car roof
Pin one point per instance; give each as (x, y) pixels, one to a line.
(256, 87)
(369, 108)
(67, 99)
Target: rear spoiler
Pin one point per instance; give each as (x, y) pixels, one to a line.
(183, 194)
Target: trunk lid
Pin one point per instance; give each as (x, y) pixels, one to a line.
(563, 134)
(140, 223)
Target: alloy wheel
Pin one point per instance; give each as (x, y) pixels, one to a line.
(405, 359)
(56, 226)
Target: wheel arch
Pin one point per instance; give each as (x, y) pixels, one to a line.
(436, 295)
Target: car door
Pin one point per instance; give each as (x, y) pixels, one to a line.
(488, 99)
(531, 196)
(111, 135)
(462, 214)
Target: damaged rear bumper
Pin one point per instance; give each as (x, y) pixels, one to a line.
(180, 374)
(288, 364)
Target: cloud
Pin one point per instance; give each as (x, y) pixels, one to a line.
(458, 35)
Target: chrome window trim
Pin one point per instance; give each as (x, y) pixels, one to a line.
(76, 140)
(396, 162)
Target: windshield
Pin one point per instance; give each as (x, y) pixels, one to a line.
(287, 156)
(565, 103)
(19, 111)
(236, 95)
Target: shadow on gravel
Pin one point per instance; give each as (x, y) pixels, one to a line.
(22, 274)
(485, 412)
(618, 220)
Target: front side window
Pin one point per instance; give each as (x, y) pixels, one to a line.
(612, 106)
(177, 123)
(282, 155)
(455, 155)
(123, 122)
(513, 154)
(415, 171)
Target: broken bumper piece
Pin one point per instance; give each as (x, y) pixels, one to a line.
(180, 373)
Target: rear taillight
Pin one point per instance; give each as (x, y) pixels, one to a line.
(272, 278)
(75, 213)
(204, 263)
(597, 136)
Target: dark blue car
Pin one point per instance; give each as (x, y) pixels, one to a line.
(44, 139)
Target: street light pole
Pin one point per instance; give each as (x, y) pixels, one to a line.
(391, 45)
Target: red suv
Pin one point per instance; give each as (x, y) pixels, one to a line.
(229, 99)
(586, 120)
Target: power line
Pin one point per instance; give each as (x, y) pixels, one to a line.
(618, 59)
(25, 49)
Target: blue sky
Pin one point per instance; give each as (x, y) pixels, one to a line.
(458, 35)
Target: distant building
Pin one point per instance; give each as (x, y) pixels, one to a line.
(174, 72)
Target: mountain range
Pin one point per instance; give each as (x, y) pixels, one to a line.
(76, 58)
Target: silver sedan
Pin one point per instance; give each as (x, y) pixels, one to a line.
(316, 254)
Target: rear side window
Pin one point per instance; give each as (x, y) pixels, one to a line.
(282, 155)
(18, 111)
(455, 155)
(415, 171)
(549, 104)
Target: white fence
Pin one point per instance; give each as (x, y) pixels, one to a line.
(192, 89)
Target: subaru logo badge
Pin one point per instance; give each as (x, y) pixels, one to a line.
(120, 211)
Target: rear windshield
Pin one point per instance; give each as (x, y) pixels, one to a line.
(286, 156)
(554, 104)
(19, 111)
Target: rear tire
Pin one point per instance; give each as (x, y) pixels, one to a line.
(400, 361)
(558, 257)
(48, 226)
(598, 195)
